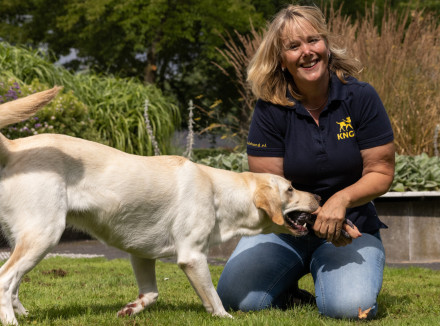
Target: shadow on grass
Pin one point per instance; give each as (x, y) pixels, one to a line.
(76, 310)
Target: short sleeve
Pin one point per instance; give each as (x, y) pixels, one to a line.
(373, 127)
(267, 130)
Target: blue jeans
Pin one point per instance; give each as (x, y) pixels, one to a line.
(264, 268)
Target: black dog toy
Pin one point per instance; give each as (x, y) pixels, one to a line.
(302, 218)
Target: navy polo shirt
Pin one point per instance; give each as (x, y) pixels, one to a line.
(326, 158)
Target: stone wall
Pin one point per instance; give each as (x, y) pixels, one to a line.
(414, 226)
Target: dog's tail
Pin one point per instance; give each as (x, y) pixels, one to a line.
(24, 108)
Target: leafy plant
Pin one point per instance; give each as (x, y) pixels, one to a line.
(203, 153)
(65, 114)
(413, 173)
(236, 162)
(416, 173)
(116, 105)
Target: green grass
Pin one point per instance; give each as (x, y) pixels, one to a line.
(93, 290)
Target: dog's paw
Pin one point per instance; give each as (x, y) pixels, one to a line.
(143, 301)
(19, 309)
(222, 314)
(131, 308)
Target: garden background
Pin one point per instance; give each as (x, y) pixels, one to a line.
(115, 59)
(135, 72)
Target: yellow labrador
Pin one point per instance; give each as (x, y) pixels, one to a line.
(151, 207)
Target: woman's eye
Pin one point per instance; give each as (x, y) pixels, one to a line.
(290, 189)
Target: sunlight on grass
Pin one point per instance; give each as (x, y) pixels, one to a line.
(64, 291)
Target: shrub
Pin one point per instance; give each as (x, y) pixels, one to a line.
(416, 173)
(236, 162)
(65, 114)
(115, 105)
(401, 61)
(413, 173)
(202, 153)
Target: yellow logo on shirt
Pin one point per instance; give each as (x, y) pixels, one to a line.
(345, 129)
(256, 145)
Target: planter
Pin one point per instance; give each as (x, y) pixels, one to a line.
(413, 219)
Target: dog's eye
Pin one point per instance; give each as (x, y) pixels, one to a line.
(290, 189)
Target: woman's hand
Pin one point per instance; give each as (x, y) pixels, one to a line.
(342, 240)
(377, 176)
(330, 220)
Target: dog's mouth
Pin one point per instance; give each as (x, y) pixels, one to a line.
(298, 220)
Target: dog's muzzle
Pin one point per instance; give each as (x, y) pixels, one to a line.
(299, 220)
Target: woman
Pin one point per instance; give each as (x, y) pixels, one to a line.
(329, 134)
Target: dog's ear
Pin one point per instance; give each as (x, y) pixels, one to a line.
(268, 199)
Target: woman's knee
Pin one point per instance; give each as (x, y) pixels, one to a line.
(346, 306)
(252, 301)
(349, 278)
(258, 271)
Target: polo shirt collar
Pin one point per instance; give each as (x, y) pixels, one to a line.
(337, 93)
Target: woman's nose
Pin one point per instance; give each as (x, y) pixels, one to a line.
(306, 49)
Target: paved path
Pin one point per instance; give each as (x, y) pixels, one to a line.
(94, 248)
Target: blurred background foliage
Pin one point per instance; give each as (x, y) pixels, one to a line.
(101, 108)
(413, 173)
(111, 53)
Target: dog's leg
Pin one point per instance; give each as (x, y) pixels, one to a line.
(196, 269)
(144, 270)
(10, 276)
(18, 307)
(30, 248)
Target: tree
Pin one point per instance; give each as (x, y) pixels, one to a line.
(171, 43)
(153, 40)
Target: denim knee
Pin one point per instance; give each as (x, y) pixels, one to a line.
(254, 301)
(348, 278)
(260, 269)
(347, 305)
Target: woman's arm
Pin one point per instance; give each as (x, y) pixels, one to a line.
(262, 164)
(274, 165)
(377, 176)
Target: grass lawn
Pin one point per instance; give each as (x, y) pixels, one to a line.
(65, 291)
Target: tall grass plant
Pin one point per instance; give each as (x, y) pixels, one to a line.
(116, 105)
(401, 59)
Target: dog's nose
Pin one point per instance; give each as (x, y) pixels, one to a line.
(317, 197)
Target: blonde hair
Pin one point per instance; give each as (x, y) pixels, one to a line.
(265, 76)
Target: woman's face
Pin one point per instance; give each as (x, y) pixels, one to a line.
(305, 54)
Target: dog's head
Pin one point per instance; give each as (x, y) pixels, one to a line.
(285, 205)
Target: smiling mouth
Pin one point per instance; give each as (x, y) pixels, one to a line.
(310, 64)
